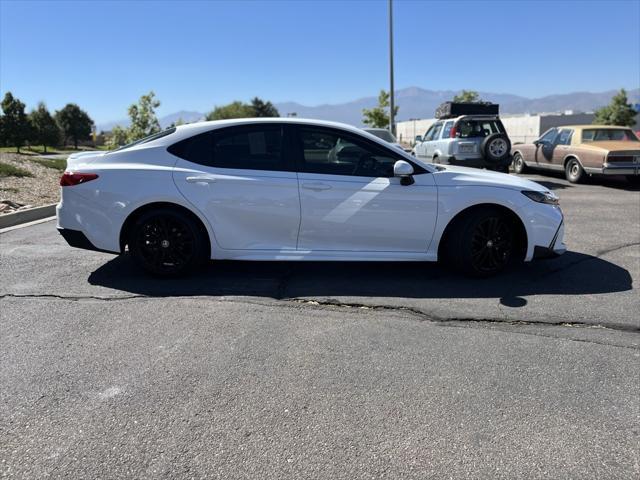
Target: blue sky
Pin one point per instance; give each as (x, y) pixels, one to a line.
(195, 54)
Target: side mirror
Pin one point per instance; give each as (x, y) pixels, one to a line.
(404, 170)
(418, 138)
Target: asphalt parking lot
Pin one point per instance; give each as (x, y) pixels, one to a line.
(298, 370)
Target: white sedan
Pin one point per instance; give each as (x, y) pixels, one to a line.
(293, 189)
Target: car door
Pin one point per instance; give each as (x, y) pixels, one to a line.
(562, 146)
(241, 179)
(420, 147)
(545, 146)
(350, 200)
(431, 144)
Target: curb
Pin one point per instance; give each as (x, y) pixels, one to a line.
(28, 215)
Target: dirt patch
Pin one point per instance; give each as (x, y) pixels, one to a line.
(42, 188)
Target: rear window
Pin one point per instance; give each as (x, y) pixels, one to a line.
(606, 134)
(479, 128)
(147, 139)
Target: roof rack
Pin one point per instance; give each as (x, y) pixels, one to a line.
(456, 109)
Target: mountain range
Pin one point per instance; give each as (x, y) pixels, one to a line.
(416, 102)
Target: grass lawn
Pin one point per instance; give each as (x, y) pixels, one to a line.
(39, 150)
(56, 163)
(7, 170)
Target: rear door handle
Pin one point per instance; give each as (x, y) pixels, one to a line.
(316, 186)
(201, 179)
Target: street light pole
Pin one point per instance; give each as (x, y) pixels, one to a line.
(392, 125)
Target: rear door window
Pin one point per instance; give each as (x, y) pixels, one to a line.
(447, 129)
(251, 147)
(435, 132)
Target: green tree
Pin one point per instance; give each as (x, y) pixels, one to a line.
(618, 112)
(143, 117)
(15, 124)
(117, 138)
(468, 96)
(45, 130)
(378, 117)
(75, 123)
(235, 109)
(263, 109)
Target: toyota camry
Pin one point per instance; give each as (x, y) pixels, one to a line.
(303, 190)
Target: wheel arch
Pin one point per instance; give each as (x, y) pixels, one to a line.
(135, 214)
(571, 156)
(519, 152)
(521, 231)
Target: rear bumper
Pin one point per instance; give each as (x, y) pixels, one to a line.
(77, 239)
(608, 169)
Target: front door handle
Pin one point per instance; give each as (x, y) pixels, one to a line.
(316, 186)
(201, 179)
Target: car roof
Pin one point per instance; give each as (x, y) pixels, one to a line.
(194, 128)
(582, 127)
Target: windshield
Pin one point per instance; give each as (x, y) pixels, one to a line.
(383, 134)
(149, 138)
(605, 134)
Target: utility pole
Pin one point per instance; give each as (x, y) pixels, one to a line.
(392, 125)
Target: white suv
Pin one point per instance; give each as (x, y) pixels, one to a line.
(478, 141)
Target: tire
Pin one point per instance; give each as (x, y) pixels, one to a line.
(573, 171)
(518, 164)
(482, 243)
(496, 147)
(633, 180)
(167, 243)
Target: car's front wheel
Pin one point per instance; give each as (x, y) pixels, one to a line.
(482, 243)
(518, 164)
(166, 242)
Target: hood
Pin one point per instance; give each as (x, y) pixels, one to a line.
(612, 145)
(453, 176)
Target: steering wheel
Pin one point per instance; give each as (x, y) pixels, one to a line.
(367, 162)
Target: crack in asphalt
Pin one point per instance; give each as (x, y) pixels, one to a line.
(479, 320)
(415, 312)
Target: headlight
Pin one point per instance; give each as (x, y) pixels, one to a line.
(542, 197)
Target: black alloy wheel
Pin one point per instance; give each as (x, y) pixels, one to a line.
(481, 243)
(166, 243)
(491, 245)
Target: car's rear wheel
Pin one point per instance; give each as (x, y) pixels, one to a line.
(518, 164)
(573, 171)
(482, 243)
(167, 243)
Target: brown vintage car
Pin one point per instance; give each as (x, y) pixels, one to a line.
(581, 150)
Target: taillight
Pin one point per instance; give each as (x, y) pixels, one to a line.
(69, 179)
(453, 132)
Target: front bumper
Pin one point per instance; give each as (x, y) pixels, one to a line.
(555, 248)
